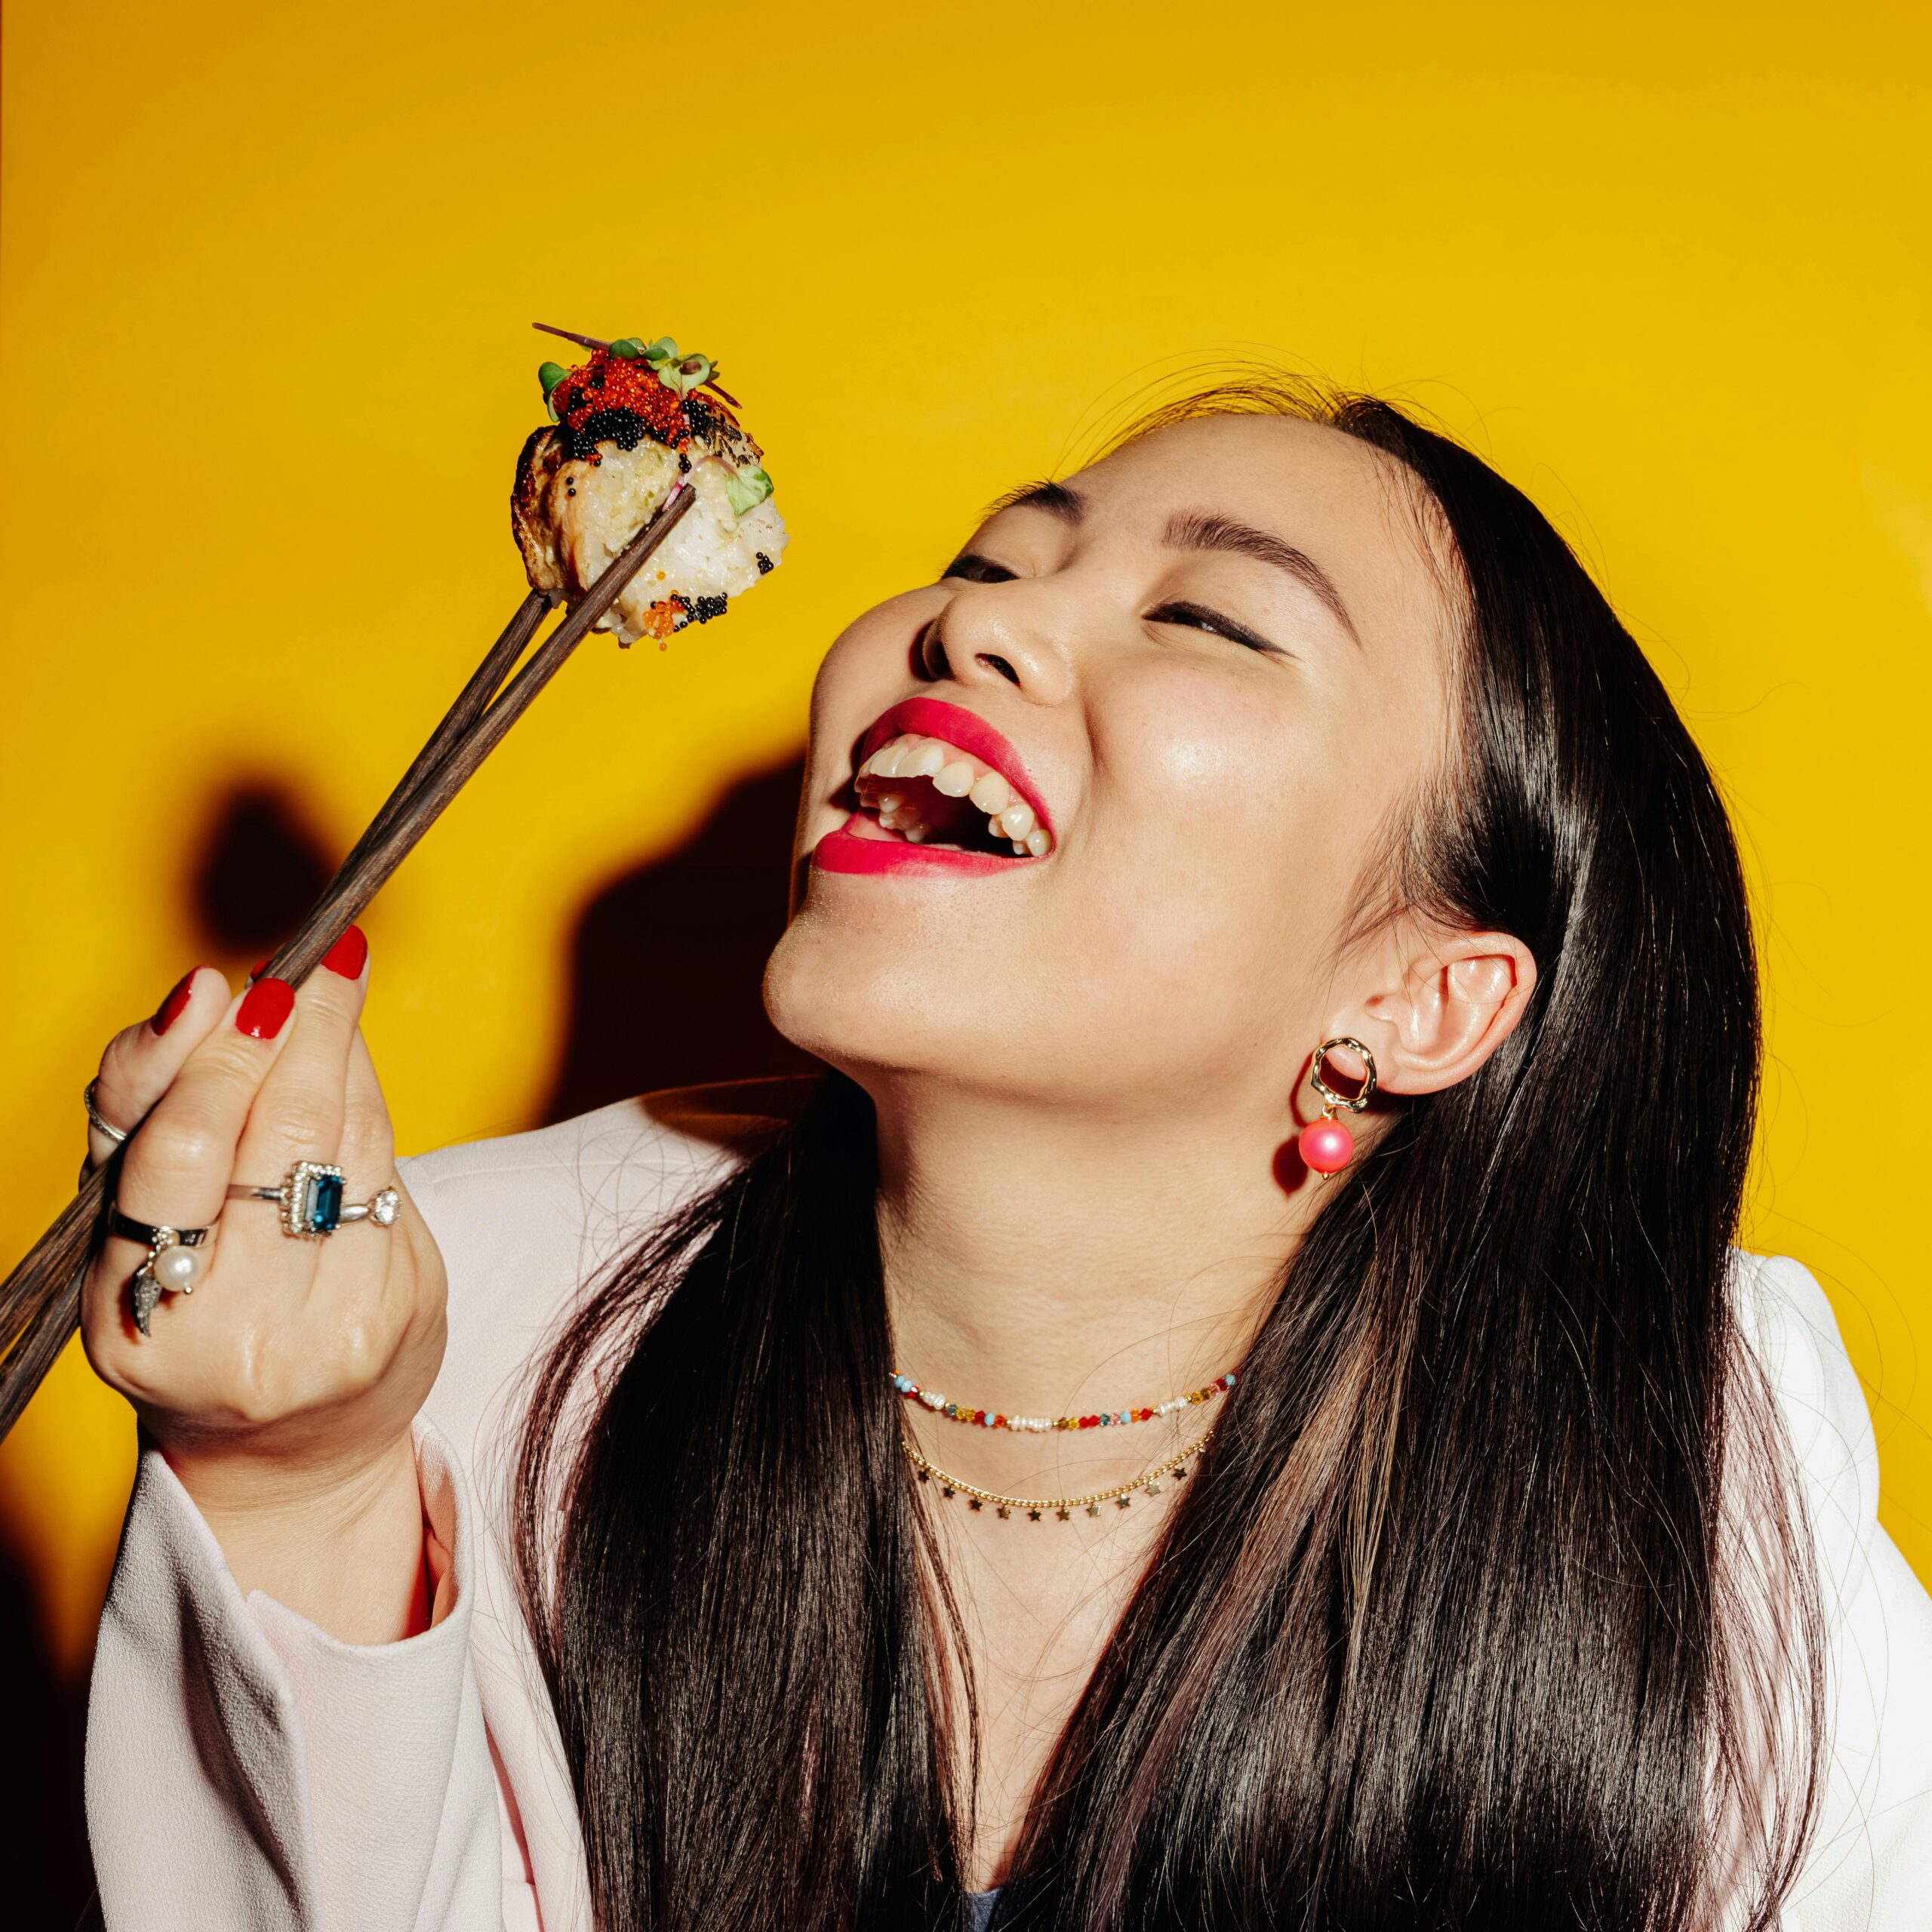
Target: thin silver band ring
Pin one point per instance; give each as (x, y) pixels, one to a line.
(105, 1127)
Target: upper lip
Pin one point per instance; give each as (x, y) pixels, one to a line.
(934, 718)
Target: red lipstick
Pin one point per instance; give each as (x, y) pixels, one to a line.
(849, 849)
(861, 844)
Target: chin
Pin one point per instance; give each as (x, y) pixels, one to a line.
(872, 1009)
(845, 985)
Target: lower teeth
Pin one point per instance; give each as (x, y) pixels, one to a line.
(895, 812)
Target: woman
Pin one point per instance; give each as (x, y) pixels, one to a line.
(1515, 1562)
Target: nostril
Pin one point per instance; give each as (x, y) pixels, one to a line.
(929, 654)
(1000, 665)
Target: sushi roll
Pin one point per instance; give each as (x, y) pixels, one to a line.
(627, 427)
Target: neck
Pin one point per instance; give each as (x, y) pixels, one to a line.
(1039, 1262)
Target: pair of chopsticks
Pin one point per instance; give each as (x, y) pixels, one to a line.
(40, 1300)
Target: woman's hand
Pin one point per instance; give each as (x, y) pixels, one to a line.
(282, 1386)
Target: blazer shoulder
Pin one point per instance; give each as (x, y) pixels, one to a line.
(1788, 1321)
(681, 1130)
(526, 1222)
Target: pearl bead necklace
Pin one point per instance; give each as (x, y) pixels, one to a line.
(931, 1398)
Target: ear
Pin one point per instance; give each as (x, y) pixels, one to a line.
(1456, 997)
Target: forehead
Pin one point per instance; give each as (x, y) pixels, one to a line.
(1362, 517)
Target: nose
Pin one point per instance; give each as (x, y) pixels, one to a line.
(1000, 634)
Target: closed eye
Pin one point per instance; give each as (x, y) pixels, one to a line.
(1198, 617)
(971, 566)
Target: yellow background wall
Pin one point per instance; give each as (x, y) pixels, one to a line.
(268, 273)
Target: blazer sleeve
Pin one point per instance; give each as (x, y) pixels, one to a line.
(1870, 1866)
(247, 1772)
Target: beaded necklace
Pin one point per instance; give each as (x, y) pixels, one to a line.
(1035, 1508)
(931, 1398)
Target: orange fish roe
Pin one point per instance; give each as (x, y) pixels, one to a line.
(610, 399)
(661, 619)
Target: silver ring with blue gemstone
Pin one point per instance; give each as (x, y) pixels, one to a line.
(312, 1203)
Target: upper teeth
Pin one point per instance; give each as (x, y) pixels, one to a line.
(957, 775)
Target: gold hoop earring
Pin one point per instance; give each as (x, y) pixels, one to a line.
(1326, 1145)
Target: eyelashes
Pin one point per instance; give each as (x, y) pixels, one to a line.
(969, 566)
(1199, 617)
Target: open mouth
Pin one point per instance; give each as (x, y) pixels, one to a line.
(938, 784)
(929, 791)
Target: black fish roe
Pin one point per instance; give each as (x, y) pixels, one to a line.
(703, 609)
(765, 566)
(683, 464)
(624, 427)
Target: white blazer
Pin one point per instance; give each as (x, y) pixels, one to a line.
(247, 1773)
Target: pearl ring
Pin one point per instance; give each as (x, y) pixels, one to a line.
(172, 1266)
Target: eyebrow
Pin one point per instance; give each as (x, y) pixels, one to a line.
(1056, 499)
(1198, 530)
(1203, 530)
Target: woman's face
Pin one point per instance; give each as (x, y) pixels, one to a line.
(1207, 669)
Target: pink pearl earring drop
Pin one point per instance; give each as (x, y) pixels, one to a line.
(1326, 1145)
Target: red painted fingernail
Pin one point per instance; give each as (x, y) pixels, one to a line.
(265, 1007)
(347, 955)
(170, 1009)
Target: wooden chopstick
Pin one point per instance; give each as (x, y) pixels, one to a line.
(402, 822)
(571, 335)
(40, 1300)
(484, 681)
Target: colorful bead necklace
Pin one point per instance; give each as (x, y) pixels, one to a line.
(1035, 1508)
(931, 1398)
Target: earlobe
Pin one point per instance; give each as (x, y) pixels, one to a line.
(1460, 997)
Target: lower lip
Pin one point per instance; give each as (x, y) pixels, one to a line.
(845, 851)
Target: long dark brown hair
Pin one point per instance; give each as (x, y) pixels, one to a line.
(1492, 1606)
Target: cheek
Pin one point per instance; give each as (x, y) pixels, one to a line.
(1227, 808)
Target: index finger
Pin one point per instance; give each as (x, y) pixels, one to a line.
(142, 1060)
(176, 1170)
